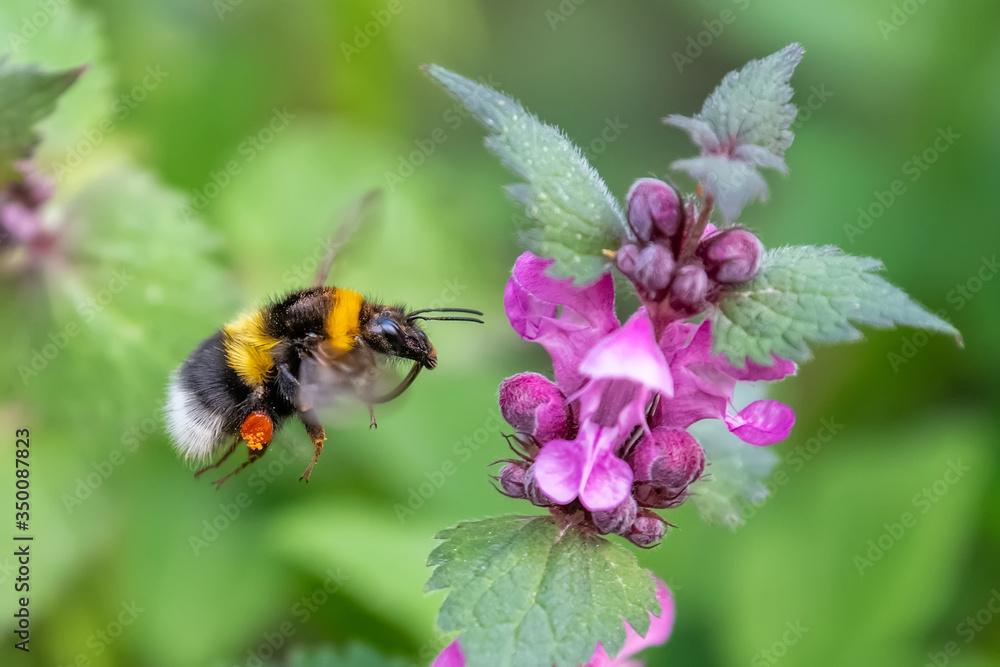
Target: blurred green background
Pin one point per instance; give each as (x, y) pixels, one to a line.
(311, 112)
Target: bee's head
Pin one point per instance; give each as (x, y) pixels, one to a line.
(395, 332)
(390, 332)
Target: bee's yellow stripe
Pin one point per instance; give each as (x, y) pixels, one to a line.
(342, 320)
(248, 348)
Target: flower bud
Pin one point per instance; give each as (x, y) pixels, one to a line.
(532, 403)
(532, 492)
(627, 260)
(512, 480)
(689, 288)
(653, 209)
(646, 530)
(618, 520)
(732, 256)
(654, 268)
(664, 463)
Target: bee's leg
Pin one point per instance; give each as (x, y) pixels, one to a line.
(371, 413)
(232, 448)
(316, 434)
(252, 456)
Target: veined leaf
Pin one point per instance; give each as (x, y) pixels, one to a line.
(745, 124)
(574, 215)
(529, 592)
(752, 105)
(809, 293)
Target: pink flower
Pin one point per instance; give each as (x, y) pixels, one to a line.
(623, 370)
(659, 630)
(608, 373)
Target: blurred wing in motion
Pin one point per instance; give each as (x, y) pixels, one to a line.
(356, 212)
(328, 380)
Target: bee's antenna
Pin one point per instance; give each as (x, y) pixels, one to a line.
(445, 310)
(445, 319)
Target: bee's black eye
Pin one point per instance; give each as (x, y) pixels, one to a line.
(392, 332)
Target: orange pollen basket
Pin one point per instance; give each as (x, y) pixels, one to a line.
(256, 430)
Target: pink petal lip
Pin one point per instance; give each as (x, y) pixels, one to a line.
(762, 422)
(608, 484)
(560, 469)
(585, 468)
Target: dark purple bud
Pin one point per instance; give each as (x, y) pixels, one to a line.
(533, 493)
(689, 288)
(664, 463)
(647, 529)
(654, 209)
(627, 260)
(732, 256)
(532, 403)
(512, 480)
(618, 520)
(654, 268)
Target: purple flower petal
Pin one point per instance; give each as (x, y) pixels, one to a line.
(631, 353)
(532, 301)
(681, 412)
(608, 484)
(559, 468)
(762, 422)
(585, 468)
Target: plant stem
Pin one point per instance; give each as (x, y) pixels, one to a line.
(693, 235)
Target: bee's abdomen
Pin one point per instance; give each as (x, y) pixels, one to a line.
(205, 399)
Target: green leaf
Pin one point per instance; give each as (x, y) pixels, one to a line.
(745, 124)
(27, 95)
(574, 216)
(810, 293)
(528, 591)
(752, 105)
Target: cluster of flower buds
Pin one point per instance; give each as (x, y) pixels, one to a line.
(21, 229)
(667, 264)
(664, 462)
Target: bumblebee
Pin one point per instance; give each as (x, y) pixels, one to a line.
(287, 358)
